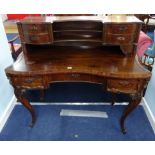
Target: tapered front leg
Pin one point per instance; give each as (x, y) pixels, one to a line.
(136, 98)
(19, 92)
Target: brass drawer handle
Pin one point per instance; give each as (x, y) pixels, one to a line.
(75, 75)
(28, 80)
(35, 27)
(124, 83)
(121, 38)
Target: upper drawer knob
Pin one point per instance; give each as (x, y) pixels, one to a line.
(35, 27)
(122, 28)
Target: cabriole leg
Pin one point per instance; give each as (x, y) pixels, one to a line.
(19, 92)
(136, 98)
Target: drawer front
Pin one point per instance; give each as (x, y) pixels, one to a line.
(28, 82)
(119, 39)
(120, 28)
(35, 28)
(76, 77)
(125, 86)
(38, 39)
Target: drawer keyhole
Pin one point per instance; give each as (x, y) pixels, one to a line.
(122, 28)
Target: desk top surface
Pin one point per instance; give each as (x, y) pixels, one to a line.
(102, 61)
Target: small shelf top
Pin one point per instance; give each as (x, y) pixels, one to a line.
(103, 19)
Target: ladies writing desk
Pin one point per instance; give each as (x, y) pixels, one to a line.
(79, 49)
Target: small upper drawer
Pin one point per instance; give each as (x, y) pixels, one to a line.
(38, 39)
(120, 28)
(119, 39)
(35, 28)
(125, 86)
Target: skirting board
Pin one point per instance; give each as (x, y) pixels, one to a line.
(149, 113)
(75, 103)
(7, 112)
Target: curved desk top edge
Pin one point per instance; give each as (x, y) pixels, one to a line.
(20, 67)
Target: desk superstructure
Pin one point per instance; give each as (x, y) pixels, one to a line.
(79, 49)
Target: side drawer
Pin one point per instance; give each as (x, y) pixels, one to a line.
(125, 86)
(28, 82)
(120, 28)
(119, 39)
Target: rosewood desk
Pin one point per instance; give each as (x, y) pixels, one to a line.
(77, 50)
